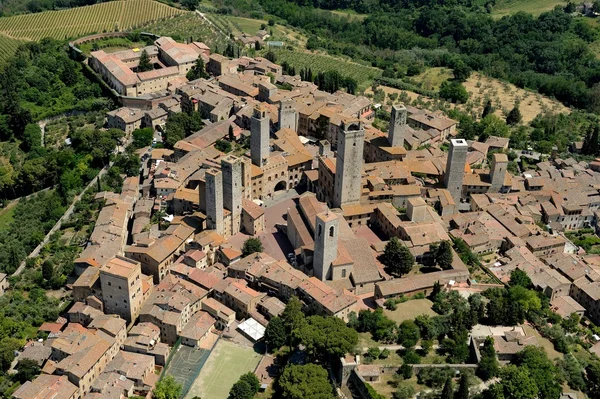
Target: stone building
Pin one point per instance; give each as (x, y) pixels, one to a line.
(259, 137)
(326, 245)
(398, 126)
(214, 200)
(349, 162)
(121, 280)
(455, 167)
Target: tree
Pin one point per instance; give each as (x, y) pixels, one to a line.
(271, 56)
(8, 346)
(252, 245)
(408, 333)
(223, 146)
(240, 390)
(444, 255)
(27, 370)
(305, 381)
(190, 5)
(461, 71)
(373, 353)
(144, 64)
(463, 388)
(570, 8)
(326, 336)
(32, 136)
(454, 92)
(487, 108)
(517, 383)
(397, 257)
(142, 137)
(591, 144)
(448, 390)
(541, 370)
(488, 364)
(519, 277)
(411, 357)
(167, 388)
(275, 335)
(245, 388)
(48, 269)
(198, 71)
(230, 134)
(406, 371)
(404, 392)
(514, 117)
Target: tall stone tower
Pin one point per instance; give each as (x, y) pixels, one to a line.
(326, 244)
(246, 177)
(455, 167)
(288, 117)
(498, 172)
(121, 284)
(349, 164)
(398, 125)
(259, 136)
(214, 200)
(232, 190)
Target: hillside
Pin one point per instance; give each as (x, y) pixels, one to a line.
(75, 22)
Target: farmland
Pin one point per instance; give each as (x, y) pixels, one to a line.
(75, 22)
(188, 25)
(535, 7)
(364, 75)
(8, 46)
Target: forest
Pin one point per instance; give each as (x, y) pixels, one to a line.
(549, 53)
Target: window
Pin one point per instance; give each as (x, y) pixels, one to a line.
(331, 231)
(320, 230)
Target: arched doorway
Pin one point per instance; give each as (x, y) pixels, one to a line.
(280, 186)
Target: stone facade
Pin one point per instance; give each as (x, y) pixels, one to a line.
(259, 137)
(326, 245)
(398, 125)
(214, 200)
(455, 167)
(349, 164)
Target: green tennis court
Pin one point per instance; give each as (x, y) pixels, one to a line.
(226, 363)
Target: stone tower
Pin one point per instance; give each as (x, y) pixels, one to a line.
(398, 125)
(288, 117)
(232, 190)
(259, 136)
(498, 172)
(326, 244)
(246, 177)
(349, 164)
(324, 149)
(455, 168)
(214, 200)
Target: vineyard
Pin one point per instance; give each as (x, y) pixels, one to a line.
(75, 22)
(189, 25)
(364, 75)
(8, 46)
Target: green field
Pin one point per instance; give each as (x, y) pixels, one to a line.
(535, 7)
(410, 309)
(76, 22)
(188, 25)
(7, 214)
(433, 78)
(227, 362)
(364, 75)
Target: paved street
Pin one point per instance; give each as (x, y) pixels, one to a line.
(274, 243)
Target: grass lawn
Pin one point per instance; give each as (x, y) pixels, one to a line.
(535, 7)
(544, 342)
(227, 362)
(7, 214)
(410, 309)
(385, 389)
(247, 25)
(433, 78)
(353, 15)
